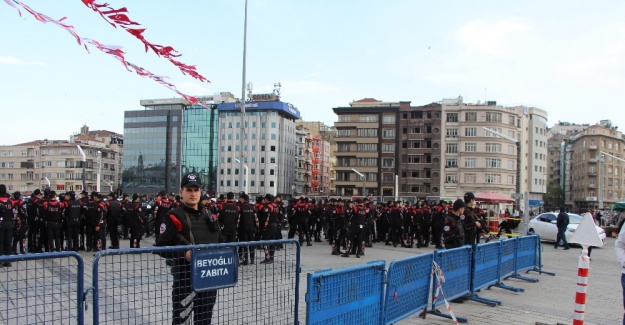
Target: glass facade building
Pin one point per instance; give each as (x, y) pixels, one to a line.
(199, 144)
(152, 149)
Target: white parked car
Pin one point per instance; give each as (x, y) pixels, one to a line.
(544, 226)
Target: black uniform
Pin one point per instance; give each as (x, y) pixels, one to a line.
(302, 214)
(338, 229)
(6, 225)
(438, 222)
(271, 218)
(33, 224)
(356, 226)
(113, 220)
(53, 218)
(470, 229)
(20, 226)
(133, 212)
(229, 219)
(186, 226)
(248, 224)
(43, 232)
(73, 216)
(161, 209)
(426, 224)
(453, 231)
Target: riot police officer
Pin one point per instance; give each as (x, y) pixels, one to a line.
(73, 216)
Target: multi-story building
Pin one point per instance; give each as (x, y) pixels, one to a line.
(303, 172)
(321, 132)
(559, 160)
(321, 165)
(534, 162)
(420, 150)
(475, 159)
(269, 147)
(169, 138)
(592, 170)
(58, 164)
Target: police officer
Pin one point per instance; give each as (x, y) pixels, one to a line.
(73, 216)
(188, 225)
(113, 219)
(302, 213)
(356, 226)
(228, 217)
(438, 222)
(41, 216)
(53, 219)
(248, 223)
(338, 224)
(125, 224)
(84, 200)
(270, 226)
(33, 221)
(6, 223)
(161, 209)
(134, 214)
(453, 230)
(20, 225)
(470, 221)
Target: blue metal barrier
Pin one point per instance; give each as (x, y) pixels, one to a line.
(485, 270)
(408, 287)
(347, 296)
(529, 257)
(456, 266)
(42, 288)
(507, 264)
(135, 285)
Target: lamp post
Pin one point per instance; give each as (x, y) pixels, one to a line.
(241, 144)
(84, 163)
(48, 181)
(247, 183)
(109, 184)
(364, 180)
(99, 160)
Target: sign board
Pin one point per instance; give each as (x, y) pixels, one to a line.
(517, 196)
(214, 268)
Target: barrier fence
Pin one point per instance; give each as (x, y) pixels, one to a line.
(338, 297)
(42, 289)
(348, 296)
(408, 287)
(145, 285)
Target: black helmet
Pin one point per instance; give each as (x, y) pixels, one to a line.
(468, 196)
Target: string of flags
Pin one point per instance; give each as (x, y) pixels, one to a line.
(116, 51)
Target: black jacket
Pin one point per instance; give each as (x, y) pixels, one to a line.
(453, 231)
(563, 220)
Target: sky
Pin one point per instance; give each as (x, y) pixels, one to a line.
(566, 57)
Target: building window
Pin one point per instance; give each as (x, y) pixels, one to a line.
(273, 136)
(470, 116)
(470, 147)
(452, 148)
(511, 121)
(272, 148)
(469, 178)
(343, 132)
(368, 133)
(469, 162)
(493, 178)
(511, 164)
(493, 117)
(342, 147)
(270, 183)
(510, 180)
(388, 119)
(388, 162)
(470, 132)
(491, 134)
(452, 163)
(493, 147)
(389, 147)
(272, 160)
(389, 133)
(493, 163)
(387, 177)
(368, 119)
(273, 125)
(345, 118)
(452, 117)
(364, 147)
(452, 133)
(452, 178)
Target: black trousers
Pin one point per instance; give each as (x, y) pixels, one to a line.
(424, 235)
(302, 229)
(136, 231)
(247, 252)
(113, 232)
(338, 235)
(355, 237)
(19, 238)
(53, 230)
(185, 300)
(72, 233)
(33, 235)
(395, 234)
(437, 234)
(270, 234)
(6, 236)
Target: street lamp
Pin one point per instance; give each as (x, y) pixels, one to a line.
(47, 180)
(109, 184)
(84, 164)
(99, 160)
(364, 179)
(247, 183)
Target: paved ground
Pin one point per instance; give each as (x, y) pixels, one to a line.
(549, 301)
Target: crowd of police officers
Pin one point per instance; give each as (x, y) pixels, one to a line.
(46, 222)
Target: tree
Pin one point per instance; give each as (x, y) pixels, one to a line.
(553, 197)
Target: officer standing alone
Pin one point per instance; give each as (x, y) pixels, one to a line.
(188, 225)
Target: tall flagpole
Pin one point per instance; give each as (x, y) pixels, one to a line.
(242, 136)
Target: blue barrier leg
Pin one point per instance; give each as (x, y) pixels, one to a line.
(507, 287)
(488, 302)
(438, 313)
(520, 277)
(539, 268)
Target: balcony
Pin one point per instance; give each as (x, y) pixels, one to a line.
(592, 147)
(591, 199)
(592, 173)
(591, 186)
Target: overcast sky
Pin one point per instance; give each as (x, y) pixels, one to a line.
(567, 57)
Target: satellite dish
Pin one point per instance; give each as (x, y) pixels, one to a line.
(586, 233)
